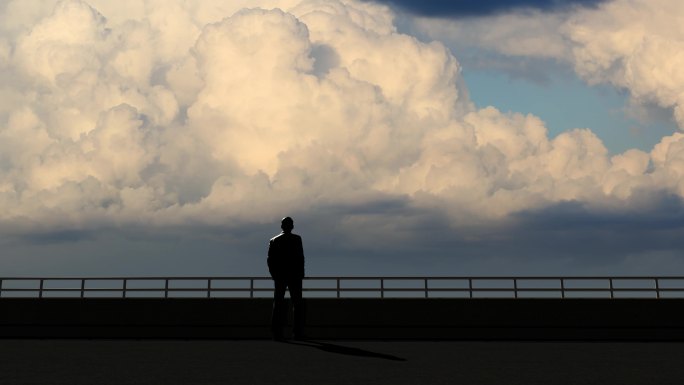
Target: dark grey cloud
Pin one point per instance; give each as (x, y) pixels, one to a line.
(387, 238)
(567, 238)
(467, 8)
(48, 237)
(602, 237)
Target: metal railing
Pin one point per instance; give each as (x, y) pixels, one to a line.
(346, 287)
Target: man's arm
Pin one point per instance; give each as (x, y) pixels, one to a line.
(300, 254)
(269, 258)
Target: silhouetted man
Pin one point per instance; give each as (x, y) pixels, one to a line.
(286, 265)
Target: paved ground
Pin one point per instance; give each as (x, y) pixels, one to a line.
(112, 362)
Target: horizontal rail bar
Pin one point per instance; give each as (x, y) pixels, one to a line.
(415, 284)
(348, 289)
(204, 278)
(421, 290)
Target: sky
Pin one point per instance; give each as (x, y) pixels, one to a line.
(154, 138)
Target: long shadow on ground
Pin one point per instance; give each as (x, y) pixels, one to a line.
(346, 350)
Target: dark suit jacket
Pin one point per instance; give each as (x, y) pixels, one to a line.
(286, 256)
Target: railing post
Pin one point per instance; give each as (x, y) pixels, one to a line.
(426, 287)
(166, 288)
(209, 288)
(40, 291)
(610, 280)
(562, 288)
(123, 291)
(251, 288)
(657, 287)
(515, 287)
(470, 287)
(338, 288)
(83, 287)
(382, 288)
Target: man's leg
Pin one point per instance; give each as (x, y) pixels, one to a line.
(279, 310)
(295, 286)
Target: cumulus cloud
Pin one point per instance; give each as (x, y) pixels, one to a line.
(208, 113)
(634, 45)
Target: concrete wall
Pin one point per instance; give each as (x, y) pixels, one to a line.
(481, 319)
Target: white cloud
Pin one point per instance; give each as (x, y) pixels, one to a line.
(633, 44)
(199, 112)
(637, 45)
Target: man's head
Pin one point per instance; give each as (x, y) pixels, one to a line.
(287, 224)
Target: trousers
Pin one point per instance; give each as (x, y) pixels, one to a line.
(280, 309)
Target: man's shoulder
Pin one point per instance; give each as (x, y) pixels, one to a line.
(276, 237)
(282, 236)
